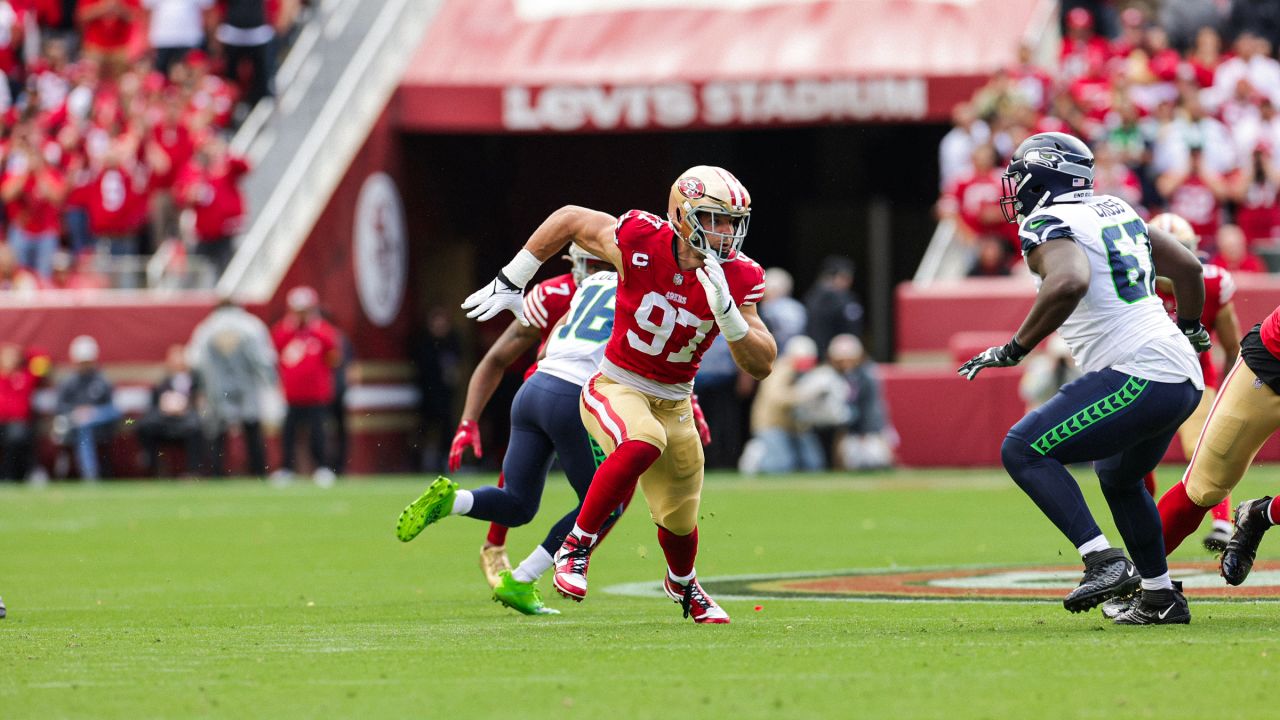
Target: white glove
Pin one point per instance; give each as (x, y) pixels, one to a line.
(504, 292)
(732, 325)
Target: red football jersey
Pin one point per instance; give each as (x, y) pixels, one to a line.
(1219, 289)
(544, 305)
(662, 323)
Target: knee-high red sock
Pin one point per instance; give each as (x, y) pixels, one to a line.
(1149, 480)
(614, 482)
(680, 550)
(1222, 511)
(1179, 516)
(497, 533)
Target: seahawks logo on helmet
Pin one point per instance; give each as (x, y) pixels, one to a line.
(1047, 158)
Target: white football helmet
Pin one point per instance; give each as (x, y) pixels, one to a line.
(585, 264)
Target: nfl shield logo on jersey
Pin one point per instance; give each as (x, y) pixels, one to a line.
(677, 279)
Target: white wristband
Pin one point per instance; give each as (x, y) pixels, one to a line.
(732, 325)
(522, 268)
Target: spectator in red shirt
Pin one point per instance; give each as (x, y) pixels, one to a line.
(210, 185)
(33, 192)
(17, 385)
(308, 350)
(174, 139)
(1081, 47)
(1195, 192)
(1205, 56)
(1233, 252)
(106, 28)
(974, 200)
(1255, 191)
(114, 193)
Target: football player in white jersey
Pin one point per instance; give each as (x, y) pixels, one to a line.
(545, 422)
(1095, 264)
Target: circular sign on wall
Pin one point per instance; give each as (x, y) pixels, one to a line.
(381, 249)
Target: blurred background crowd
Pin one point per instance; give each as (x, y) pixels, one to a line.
(204, 416)
(1178, 100)
(114, 114)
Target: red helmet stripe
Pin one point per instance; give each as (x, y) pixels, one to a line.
(729, 183)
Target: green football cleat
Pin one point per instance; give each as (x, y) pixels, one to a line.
(523, 597)
(435, 503)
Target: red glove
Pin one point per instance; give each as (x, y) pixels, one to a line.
(468, 434)
(700, 421)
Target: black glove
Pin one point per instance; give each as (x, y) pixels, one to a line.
(1007, 355)
(1196, 334)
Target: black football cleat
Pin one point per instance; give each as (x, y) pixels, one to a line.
(2, 610)
(1107, 574)
(1251, 523)
(1158, 607)
(1115, 607)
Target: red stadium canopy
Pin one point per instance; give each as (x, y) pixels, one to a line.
(618, 65)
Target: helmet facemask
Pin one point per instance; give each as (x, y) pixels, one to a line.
(708, 242)
(1012, 206)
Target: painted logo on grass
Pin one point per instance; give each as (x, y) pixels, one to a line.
(987, 584)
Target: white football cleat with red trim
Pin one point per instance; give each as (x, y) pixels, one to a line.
(695, 602)
(571, 563)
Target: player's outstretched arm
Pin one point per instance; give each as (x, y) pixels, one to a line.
(515, 341)
(1183, 268)
(1065, 270)
(592, 230)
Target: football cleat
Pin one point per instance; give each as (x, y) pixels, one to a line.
(1217, 539)
(3, 612)
(695, 602)
(1251, 523)
(1107, 574)
(1115, 607)
(1157, 607)
(523, 597)
(435, 503)
(571, 563)
(493, 562)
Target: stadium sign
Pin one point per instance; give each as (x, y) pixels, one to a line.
(678, 105)
(381, 250)
(983, 584)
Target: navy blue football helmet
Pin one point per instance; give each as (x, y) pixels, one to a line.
(1046, 168)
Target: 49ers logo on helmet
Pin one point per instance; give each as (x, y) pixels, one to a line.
(691, 187)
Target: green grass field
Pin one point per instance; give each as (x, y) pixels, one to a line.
(240, 600)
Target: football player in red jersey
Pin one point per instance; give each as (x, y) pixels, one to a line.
(1219, 316)
(545, 304)
(682, 280)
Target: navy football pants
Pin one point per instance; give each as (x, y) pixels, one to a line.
(545, 423)
(1124, 425)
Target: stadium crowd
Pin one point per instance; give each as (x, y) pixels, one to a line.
(216, 385)
(1179, 102)
(113, 123)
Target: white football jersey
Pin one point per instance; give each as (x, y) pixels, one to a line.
(575, 349)
(1120, 323)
